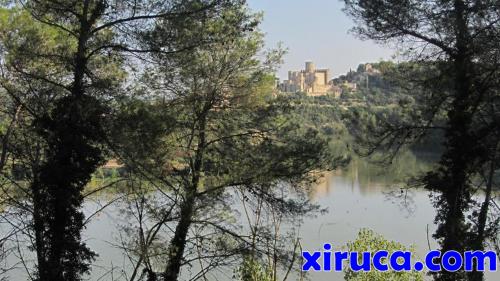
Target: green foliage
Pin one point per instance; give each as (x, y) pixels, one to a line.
(253, 270)
(215, 126)
(369, 241)
(57, 80)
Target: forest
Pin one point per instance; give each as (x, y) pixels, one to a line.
(167, 113)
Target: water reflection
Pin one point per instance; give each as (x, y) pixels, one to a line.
(371, 178)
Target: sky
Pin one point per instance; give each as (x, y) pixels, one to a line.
(318, 31)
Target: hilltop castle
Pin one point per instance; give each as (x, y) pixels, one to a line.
(312, 81)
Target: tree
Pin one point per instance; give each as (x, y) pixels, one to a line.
(452, 42)
(71, 77)
(217, 129)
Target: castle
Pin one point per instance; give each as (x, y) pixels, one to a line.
(312, 81)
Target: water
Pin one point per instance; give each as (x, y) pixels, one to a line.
(361, 196)
(376, 198)
(353, 204)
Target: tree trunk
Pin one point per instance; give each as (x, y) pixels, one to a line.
(478, 244)
(483, 214)
(461, 145)
(72, 132)
(38, 226)
(178, 243)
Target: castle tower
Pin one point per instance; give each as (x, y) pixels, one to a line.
(310, 68)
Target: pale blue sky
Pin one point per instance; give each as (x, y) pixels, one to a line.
(315, 30)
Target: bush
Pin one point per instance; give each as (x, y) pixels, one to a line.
(369, 241)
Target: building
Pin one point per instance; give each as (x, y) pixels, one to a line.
(336, 91)
(312, 81)
(349, 86)
(370, 69)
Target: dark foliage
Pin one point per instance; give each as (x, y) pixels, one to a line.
(73, 131)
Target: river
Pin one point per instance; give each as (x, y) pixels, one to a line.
(358, 196)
